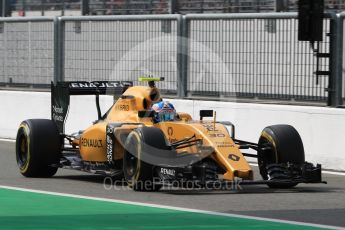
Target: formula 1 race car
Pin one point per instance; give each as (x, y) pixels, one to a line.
(128, 141)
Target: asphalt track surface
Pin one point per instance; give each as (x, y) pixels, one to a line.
(311, 203)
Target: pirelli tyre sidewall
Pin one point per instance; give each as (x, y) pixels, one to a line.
(285, 146)
(23, 147)
(38, 147)
(138, 173)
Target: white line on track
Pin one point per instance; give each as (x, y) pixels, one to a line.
(171, 207)
(7, 140)
(333, 173)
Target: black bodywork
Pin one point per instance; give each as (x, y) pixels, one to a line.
(61, 92)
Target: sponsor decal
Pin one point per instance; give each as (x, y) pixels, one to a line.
(170, 172)
(109, 130)
(213, 132)
(172, 140)
(225, 144)
(170, 131)
(122, 107)
(57, 109)
(110, 141)
(210, 127)
(57, 117)
(94, 143)
(109, 149)
(100, 84)
(214, 135)
(234, 157)
(58, 113)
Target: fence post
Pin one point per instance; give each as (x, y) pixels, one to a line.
(173, 7)
(5, 8)
(56, 47)
(336, 49)
(182, 56)
(85, 7)
(59, 49)
(2, 2)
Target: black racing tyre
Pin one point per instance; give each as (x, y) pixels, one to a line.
(38, 146)
(285, 145)
(140, 143)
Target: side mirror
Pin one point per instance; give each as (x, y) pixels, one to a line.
(205, 113)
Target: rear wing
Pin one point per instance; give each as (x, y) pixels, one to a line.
(61, 92)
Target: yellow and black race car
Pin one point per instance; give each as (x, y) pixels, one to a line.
(128, 140)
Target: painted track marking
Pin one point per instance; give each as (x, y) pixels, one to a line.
(171, 208)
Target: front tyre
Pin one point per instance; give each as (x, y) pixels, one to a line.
(279, 144)
(142, 143)
(38, 147)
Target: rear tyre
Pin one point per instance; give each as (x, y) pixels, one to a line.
(140, 144)
(38, 146)
(283, 144)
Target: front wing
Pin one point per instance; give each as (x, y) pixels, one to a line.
(205, 176)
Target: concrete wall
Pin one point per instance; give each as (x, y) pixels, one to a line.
(322, 129)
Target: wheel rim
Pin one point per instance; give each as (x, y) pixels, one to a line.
(22, 151)
(131, 165)
(265, 157)
(131, 161)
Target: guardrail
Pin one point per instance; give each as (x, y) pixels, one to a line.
(200, 55)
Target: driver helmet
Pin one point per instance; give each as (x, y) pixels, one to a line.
(165, 111)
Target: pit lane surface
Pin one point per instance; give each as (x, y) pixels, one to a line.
(317, 203)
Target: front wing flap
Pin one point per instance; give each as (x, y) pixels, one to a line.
(207, 177)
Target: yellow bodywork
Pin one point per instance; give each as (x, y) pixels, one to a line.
(92, 142)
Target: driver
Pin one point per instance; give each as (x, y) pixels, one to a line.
(165, 111)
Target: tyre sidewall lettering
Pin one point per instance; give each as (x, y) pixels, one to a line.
(134, 178)
(270, 139)
(26, 133)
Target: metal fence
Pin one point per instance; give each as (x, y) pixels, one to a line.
(26, 51)
(121, 48)
(125, 7)
(254, 55)
(214, 55)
